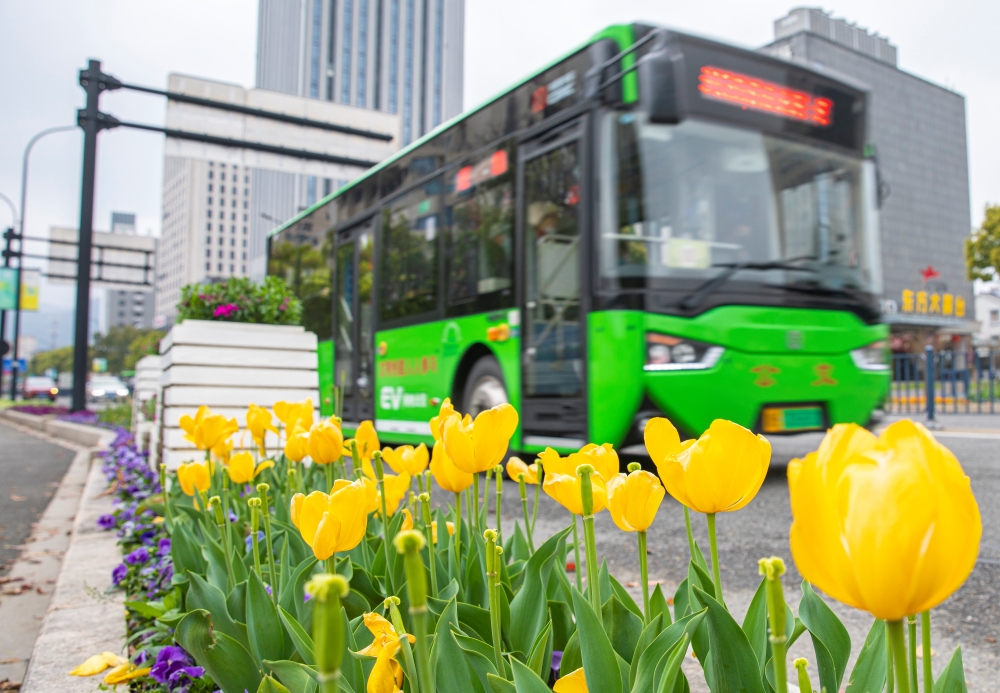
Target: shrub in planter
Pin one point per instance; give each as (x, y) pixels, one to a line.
(241, 300)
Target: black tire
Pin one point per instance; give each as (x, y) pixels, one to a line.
(485, 387)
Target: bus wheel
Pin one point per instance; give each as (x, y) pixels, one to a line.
(484, 388)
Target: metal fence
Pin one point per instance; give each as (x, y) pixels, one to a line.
(957, 382)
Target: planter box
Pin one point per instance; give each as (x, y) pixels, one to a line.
(229, 366)
(146, 388)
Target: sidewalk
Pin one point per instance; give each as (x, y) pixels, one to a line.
(949, 422)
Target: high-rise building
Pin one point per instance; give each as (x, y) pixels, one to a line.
(128, 308)
(917, 129)
(399, 56)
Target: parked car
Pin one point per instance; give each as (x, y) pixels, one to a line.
(39, 386)
(106, 388)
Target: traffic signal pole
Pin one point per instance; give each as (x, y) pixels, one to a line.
(92, 121)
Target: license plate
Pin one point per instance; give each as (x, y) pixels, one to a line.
(784, 419)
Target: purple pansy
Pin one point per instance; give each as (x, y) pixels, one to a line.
(172, 665)
(106, 521)
(140, 555)
(119, 573)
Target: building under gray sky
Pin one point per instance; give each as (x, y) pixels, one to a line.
(399, 56)
(918, 128)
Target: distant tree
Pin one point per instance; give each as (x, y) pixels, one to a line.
(60, 359)
(143, 345)
(982, 249)
(115, 345)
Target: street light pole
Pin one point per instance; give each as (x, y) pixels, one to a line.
(20, 262)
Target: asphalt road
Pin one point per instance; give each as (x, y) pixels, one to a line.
(30, 471)
(970, 618)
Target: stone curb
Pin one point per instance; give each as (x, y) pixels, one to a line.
(81, 620)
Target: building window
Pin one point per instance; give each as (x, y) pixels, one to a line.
(210, 173)
(317, 20)
(232, 255)
(209, 187)
(220, 266)
(409, 255)
(244, 229)
(246, 179)
(208, 240)
(209, 214)
(222, 202)
(995, 317)
(232, 217)
(243, 269)
(345, 60)
(245, 205)
(208, 266)
(209, 226)
(310, 191)
(362, 54)
(244, 243)
(208, 252)
(232, 241)
(246, 191)
(408, 75)
(438, 57)
(393, 54)
(210, 200)
(232, 268)
(244, 219)
(222, 188)
(331, 50)
(220, 256)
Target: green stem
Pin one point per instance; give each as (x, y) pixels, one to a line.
(714, 544)
(587, 501)
(409, 667)
(328, 633)
(254, 540)
(772, 569)
(221, 520)
(499, 472)
(380, 476)
(805, 685)
(485, 510)
(890, 679)
(416, 586)
(925, 647)
(644, 577)
(897, 645)
(911, 623)
(576, 554)
(331, 564)
(524, 510)
(272, 574)
(690, 534)
(329, 477)
(420, 482)
(475, 502)
(431, 546)
(458, 533)
(492, 578)
(534, 512)
(167, 515)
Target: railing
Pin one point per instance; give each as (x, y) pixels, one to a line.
(958, 382)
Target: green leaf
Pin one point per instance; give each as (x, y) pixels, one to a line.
(755, 625)
(296, 676)
(476, 620)
(185, 551)
(527, 681)
(733, 666)
(869, 673)
(528, 610)
(831, 641)
(540, 656)
(202, 595)
(351, 668)
(228, 663)
(682, 603)
(649, 669)
(145, 609)
(292, 596)
(264, 629)
(236, 602)
(647, 636)
(269, 685)
(952, 678)
(698, 577)
(215, 559)
(303, 641)
(658, 605)
(563, 625)
(670, 664)
(572, 658)
(500, 685)
(517, 545)
(451, 672)
(480, 664)
(622, 626)
(602, 670)
(623, 596)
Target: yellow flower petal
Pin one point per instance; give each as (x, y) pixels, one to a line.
(446, 474)
(574, 682)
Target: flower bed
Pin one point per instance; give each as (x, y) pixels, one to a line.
(281, 570)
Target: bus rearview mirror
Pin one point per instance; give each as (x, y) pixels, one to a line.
(658, 92)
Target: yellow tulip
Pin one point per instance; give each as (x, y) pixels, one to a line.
(720, 472)
(297, 444)
(222, 451)
(573, 682)
(241, 468)
(194, 476)
(451, 527)
(366, 440)
(124, 673)
(259, 423)
(661, 439)
(554, 464)
(207, 430)
(396, 488)
(633, 500)
(446, 474)
(97, 664)
(566, 489)
(372, 502)
(407, 520)
(478, 446)
(292, 413)
(516, 467)
(188, 423)
(386, 676)
(334, 522)
(326, 443)
(434, 531)
(889, 524)
(437, 422)
(602, 458)
(406, 459)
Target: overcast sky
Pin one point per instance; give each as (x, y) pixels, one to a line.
(44, 42)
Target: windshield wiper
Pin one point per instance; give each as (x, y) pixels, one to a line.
(695, 298)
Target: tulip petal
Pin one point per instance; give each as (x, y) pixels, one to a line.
(327, 536)
(661, 439)
(491, 434)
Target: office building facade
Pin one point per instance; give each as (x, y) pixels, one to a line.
(919, 133)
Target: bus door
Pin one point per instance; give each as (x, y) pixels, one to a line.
(554, 410)
(352, 361)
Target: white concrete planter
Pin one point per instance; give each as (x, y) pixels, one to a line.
(228, 366)
(146, 388)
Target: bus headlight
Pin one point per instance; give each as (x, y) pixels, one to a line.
(665, 352)
(871, 357)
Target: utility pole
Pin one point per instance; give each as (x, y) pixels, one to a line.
(92, 121)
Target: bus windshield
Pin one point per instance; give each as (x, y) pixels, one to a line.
(686, 201)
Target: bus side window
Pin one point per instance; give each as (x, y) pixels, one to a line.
(408, 273)
(480, 217)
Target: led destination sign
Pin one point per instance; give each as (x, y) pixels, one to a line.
(760, 95)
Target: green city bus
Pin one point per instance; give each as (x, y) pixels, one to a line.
(653, 225)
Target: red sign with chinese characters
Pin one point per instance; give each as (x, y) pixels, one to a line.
(760, 95)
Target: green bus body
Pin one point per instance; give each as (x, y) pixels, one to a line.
(785, 357)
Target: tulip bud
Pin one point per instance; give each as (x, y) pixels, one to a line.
(634, 466)
(410, 543)
(805, 686)
(328, 627)
(772, 569)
